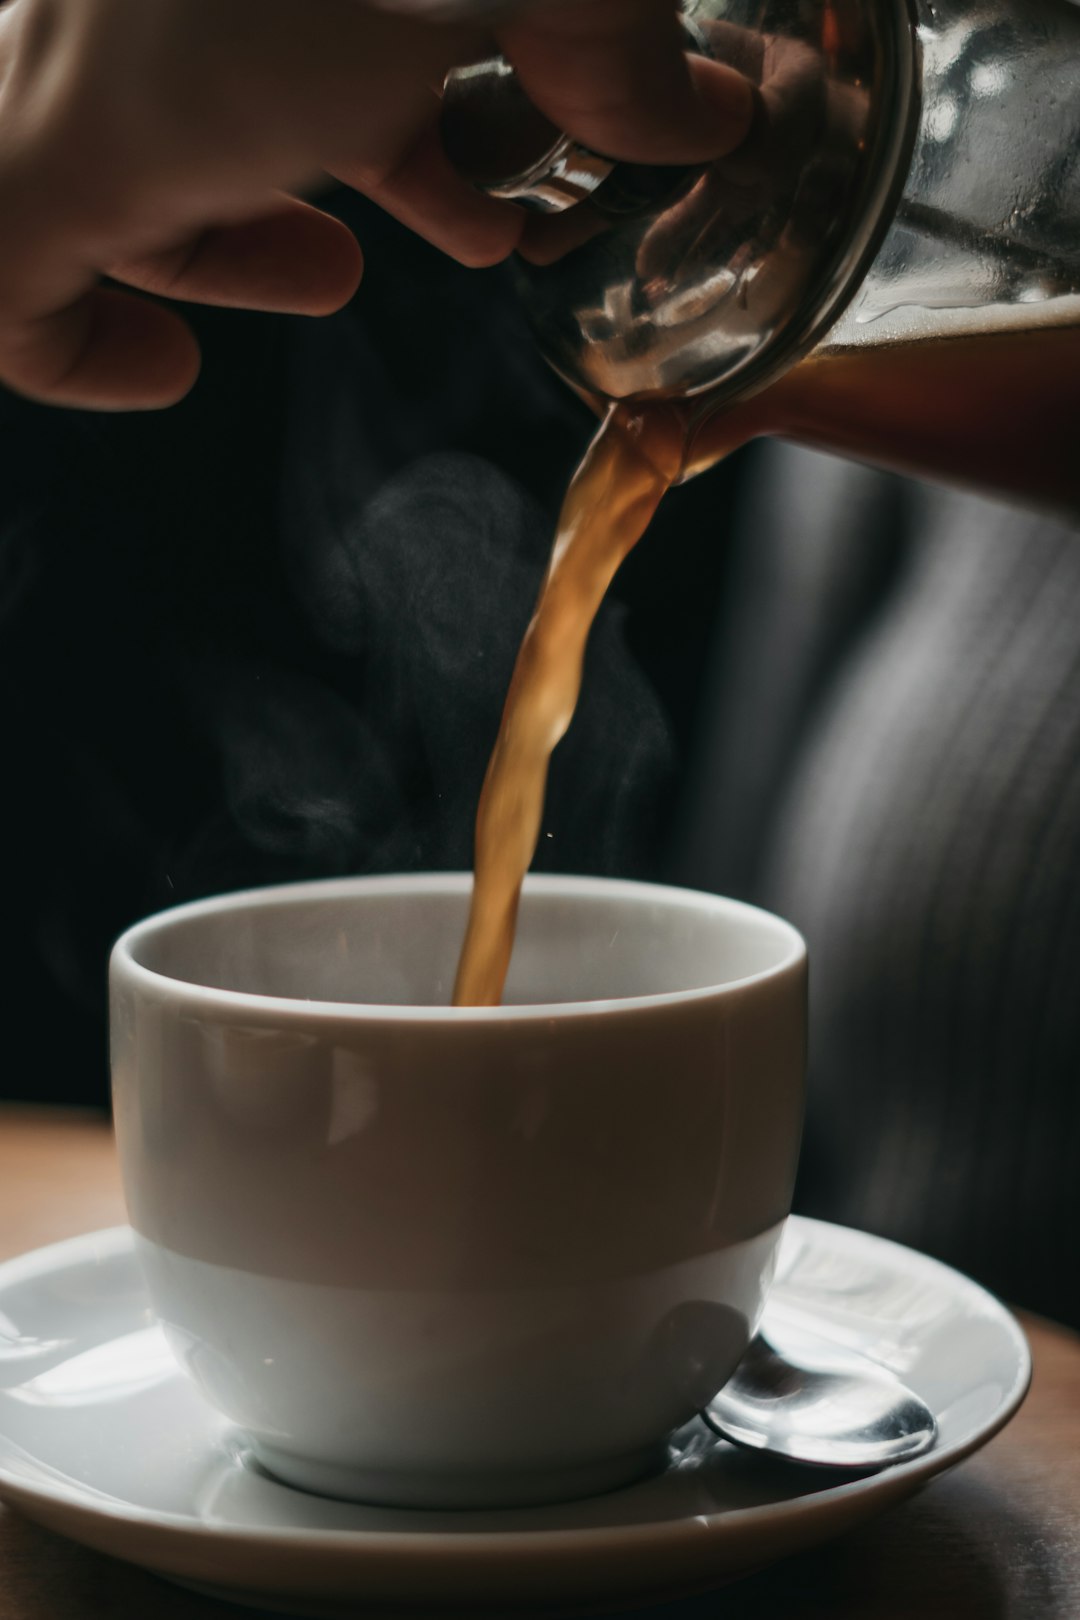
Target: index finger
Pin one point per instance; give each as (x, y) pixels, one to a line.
(615, 74)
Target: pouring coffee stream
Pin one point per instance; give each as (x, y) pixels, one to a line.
(621, 480)
(889, 269)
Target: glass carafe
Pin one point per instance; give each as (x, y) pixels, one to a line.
(889, 268)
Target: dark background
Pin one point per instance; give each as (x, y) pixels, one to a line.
(266, 635)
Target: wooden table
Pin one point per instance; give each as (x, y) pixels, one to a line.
(998, 1539)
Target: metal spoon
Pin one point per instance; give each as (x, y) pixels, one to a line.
(812, 1401)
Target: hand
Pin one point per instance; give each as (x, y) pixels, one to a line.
(162, 143)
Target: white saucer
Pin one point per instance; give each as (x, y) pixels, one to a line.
(104, 1440)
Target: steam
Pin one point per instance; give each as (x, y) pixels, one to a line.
(305, 777)
(267, 636)
(426, 588)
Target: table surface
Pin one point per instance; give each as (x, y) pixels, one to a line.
(996, 1539)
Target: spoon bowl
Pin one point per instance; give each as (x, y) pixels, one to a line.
(799, 1397)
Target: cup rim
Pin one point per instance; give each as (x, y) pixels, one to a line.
(293, 1008)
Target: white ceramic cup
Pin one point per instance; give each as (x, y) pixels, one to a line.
(458, 1257)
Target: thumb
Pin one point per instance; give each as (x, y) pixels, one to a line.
(615, 75)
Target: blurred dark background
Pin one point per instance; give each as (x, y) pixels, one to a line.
(266, 635)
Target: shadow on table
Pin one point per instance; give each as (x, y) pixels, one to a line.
(952, 1553)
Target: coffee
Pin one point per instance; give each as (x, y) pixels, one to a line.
(939, 394)
(634, 458)
(991, 407)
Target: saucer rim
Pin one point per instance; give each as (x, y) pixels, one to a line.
(465, 1546)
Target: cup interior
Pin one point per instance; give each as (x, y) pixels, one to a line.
(394, 942)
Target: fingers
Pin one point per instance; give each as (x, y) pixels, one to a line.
(549, 237)
(124, 190)
(426, 193)
(107, 351)
(294, 259)
(615, 75)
